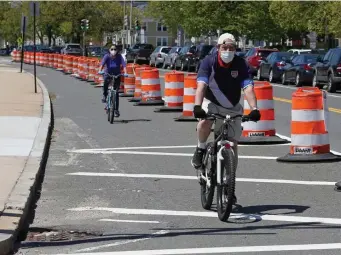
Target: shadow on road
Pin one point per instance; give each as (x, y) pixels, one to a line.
(128, 121)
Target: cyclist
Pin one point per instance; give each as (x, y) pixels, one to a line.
(113, 61)
(220, 79)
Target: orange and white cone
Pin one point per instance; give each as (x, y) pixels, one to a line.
(190, 88)
(262, 131)
(173, 93)
(309, 128)
(150, 88)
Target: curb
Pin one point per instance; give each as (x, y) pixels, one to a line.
(18, 205)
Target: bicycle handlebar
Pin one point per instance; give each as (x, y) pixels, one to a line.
(219, 116)
(114, 76)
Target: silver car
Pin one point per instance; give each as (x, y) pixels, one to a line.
(158, 56)
(170, 58)
(72, 49)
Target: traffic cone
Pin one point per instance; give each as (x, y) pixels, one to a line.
(174, 92)
(309, 128)
(150, 88)
(190, 87)
(262, 131)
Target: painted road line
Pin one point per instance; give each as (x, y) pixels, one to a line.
(181, 146)
(231, 249)
(161, 232)
(154, 153)
(188, 177)
(289, 139)
(266, 217)
(130, 221)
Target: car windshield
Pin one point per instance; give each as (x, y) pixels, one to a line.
(74, 46)
(206, 49)
(311, 58)
(264, 53)
(165, 50)
(283, 56)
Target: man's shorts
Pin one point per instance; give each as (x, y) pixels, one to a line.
(235, 129)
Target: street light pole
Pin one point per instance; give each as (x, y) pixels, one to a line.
(124, 24)
(130, 20)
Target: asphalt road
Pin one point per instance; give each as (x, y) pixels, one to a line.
(123, 199)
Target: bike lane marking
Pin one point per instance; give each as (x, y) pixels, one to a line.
(188, 177)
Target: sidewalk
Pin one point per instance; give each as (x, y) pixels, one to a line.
(25, 120)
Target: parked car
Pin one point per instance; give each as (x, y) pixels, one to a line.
(299, 51)
(255, 55)
(158, 55)
(299, 69)
(72, 49)
(201, 52)
(94, 51)
(183, 57)
(56, 49)
(170, 57)
(271, 68)
(138, 52)
(328, 71)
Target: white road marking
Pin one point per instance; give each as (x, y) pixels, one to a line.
(298, 247)
(289, 139)
(130, 221)
(161, 232)
(154, 153)
(187, 177)
(180, 146)
(269, 217)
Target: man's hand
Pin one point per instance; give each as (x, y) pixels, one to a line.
(101, 72)
(255, 115)
(199, 112)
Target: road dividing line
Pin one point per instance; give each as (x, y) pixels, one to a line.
(266, 217)
(187, 177)
(130, 221)
(298, 247)
(154, 153)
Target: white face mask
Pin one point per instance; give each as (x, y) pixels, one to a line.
(113, 52)
(227, 56)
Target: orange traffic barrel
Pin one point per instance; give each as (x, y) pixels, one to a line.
(309, 127)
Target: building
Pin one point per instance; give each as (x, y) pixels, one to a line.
(155, 33)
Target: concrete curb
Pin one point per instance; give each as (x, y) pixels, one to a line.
(16, 210)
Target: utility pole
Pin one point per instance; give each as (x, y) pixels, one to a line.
(124, 24)
(130, 21)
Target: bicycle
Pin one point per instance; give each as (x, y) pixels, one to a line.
(111, 103)
(219, 169)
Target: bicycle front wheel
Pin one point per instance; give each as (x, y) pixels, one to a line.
(112, 106)
(207, 186)
(226, 189)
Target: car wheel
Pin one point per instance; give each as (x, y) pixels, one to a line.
(259, 76)
(331, 85)
(271, 76)
(298, 82)
(315, 82)
(284, 82)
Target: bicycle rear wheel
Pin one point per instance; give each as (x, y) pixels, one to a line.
(226, 189)
(207, 188)
(112, 106)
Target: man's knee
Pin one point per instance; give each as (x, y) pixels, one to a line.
(204, 125)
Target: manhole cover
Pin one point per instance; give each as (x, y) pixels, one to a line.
(47, 235)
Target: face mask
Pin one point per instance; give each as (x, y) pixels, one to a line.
(227, 56)
(113, 52)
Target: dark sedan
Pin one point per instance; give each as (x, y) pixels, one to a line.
(271, 68)
(299, 69)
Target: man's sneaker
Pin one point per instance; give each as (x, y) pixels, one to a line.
(197, 157)
(117, 114)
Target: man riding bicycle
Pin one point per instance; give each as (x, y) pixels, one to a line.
(112, 62)
(221, 77)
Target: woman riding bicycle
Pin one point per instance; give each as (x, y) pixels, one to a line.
(112, 63)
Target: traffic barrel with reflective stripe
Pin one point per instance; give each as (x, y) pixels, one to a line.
(262, 131)
(60, 61)
(99, 79)
(92, 70)
(150, 88)
(309, 128)
(190, 88)
(129, 82)
(75, 70)
(173, 93)
(137, 91)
